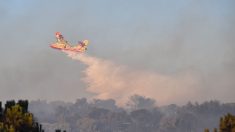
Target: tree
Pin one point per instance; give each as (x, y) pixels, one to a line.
(17, 118)
(227, 123)
(139, 102)
(215, 129)
(206, 130)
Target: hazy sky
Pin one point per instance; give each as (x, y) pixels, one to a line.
(167, 37)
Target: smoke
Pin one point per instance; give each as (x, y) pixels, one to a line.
(107, 80)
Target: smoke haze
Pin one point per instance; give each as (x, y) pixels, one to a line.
(172, 51)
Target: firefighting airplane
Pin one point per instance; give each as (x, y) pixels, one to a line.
(62, 44)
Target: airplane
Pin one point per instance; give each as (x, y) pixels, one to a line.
(62, 44)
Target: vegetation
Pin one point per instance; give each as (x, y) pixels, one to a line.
(141, 114)
(227, 124)
(16, 118)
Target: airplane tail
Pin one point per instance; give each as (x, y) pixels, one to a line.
(85, 42)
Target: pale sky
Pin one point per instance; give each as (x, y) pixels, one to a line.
(169, 37)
